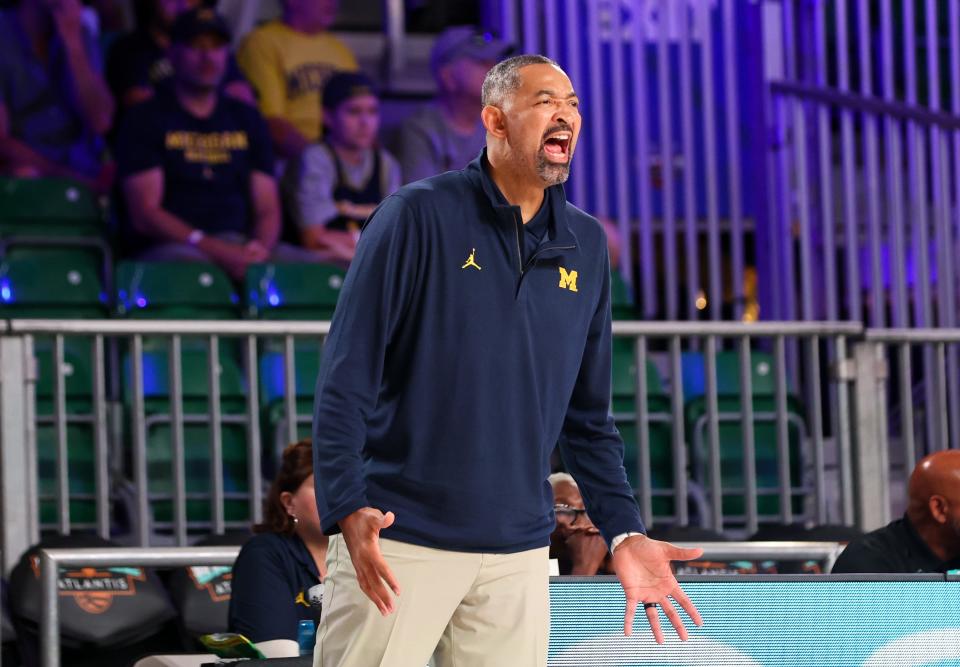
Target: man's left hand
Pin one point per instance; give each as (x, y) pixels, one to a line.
(643, 567)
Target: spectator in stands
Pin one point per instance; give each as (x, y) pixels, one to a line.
(55, 106)
(288, 62)
(927, 538)
(342, 179)
(277, 578)
(137, 63)
(576, 543)
(196, 165)
(448, 134)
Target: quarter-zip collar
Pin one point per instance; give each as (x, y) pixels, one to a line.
(559, 235)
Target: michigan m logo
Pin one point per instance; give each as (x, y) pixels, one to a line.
(568, 280)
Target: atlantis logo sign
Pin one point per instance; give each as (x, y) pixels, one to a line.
(93, 590)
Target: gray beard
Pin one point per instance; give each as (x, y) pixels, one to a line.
(550, 172)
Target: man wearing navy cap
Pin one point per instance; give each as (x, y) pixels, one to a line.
(196, 165)
(448, 134)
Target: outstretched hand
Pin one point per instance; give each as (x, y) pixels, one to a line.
(643, 567)
(361, 532)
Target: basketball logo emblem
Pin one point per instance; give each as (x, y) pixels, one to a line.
(94, 603)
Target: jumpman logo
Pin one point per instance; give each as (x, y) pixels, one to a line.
(471, 262)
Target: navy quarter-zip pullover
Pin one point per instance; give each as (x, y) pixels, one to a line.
(454, 366)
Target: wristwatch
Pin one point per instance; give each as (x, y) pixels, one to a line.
(615, 542)
(195, 237)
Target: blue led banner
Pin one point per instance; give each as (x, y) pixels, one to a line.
(765, 621)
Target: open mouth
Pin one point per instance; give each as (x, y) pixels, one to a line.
(557, 146)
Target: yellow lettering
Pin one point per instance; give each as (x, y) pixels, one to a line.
(568, 280)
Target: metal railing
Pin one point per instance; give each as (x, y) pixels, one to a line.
(21, 519)
(890, 224)
(51, 560)
(865, 138)
(940, 427)
(797, 434)
(721, 417)
(818, 418)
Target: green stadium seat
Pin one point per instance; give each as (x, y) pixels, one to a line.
(293, 291)
(196, 434)
(659, 424)
(272, 375)
(290, 292)
(78, 386)
(175, 290)
(51, 283)
(81, 473)
(731, 430)
(53, 213)
(197, 473)
(48, 207)
(621, 303)
(194, 378)
(78, 373)
(186, 290)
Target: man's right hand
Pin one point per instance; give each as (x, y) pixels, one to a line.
(361, 532)
(232, 257)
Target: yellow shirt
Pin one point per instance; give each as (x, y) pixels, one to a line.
(288, 69)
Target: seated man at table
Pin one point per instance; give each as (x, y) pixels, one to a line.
(576, 543)
(927, 538)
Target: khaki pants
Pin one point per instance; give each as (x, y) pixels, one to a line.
(465, 609)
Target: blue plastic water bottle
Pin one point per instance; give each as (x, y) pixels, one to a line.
(305, 637)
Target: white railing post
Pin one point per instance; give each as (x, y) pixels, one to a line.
(871, 470)
(17, 465)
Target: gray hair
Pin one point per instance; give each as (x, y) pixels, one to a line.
(503, 78)
(559, 478)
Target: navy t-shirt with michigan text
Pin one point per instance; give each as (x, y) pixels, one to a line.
(206, 162)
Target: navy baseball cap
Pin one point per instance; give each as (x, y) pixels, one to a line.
(343, 86)
(200, 21)
(465, 41)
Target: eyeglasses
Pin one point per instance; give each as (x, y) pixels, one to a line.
(566, 510)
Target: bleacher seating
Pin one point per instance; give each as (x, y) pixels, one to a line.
(188, 290)
(659, 428)
(290, 292)
(54, 214)
(71, 282)
(62, 283)
(78, 388)
(293, 291)
(196, 432)
(55, 207)
(175, 290)
(51, 283)
(731, 428)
